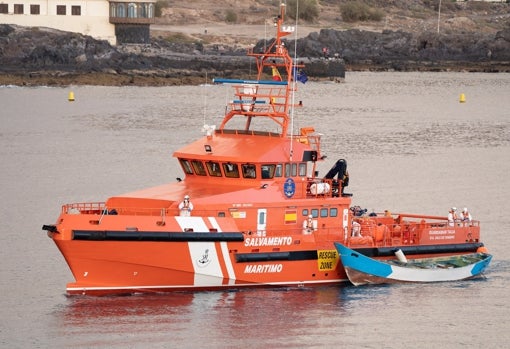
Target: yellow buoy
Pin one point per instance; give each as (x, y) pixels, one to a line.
(71, 96)
(462, 98)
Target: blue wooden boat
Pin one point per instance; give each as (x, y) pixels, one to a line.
(362, 270)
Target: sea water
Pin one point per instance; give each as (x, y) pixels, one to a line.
(410, 145)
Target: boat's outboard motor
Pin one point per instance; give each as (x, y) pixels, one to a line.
(342, 177)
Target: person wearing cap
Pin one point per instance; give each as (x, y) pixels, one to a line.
(452, 216)
(465, 216)
(185, 207)
(308, 225)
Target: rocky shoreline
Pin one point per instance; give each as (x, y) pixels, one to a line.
(42, 56)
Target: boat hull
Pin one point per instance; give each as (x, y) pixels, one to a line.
(123, 254)
(113, 267)
(361, 269)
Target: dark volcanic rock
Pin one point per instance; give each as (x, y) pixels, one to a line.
(47, 51)
(385, 49)
(40, 49)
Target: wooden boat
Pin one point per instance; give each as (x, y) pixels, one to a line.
(363, 270)
(257, 214)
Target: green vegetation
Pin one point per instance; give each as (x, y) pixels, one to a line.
(179, 38)
(354, 11)
(307, 10)
(231, 16)
(159, 6)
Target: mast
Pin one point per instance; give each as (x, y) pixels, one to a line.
(266, 98)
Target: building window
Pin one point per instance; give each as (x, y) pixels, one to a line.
(121, 11)
(142, 10)
(132, 10)
(61, 10)
(4, 8)
(76, 10)
(18, 9)
(35, 9)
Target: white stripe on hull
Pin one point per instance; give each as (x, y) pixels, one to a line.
(204, 258)
(226, 255)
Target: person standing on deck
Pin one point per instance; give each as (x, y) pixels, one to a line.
(465, 216)
(185, 207)
(309, 225)
(452, 217)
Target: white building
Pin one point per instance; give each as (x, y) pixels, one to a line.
(120, 21)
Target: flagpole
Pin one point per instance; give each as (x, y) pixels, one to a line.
(438, 16)
(294, 73)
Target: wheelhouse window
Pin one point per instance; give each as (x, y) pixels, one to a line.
(333, 212)
(213, 168)
(249, 171)
(231, 170)
(186, 166)
(4, 8)
(61, 10)
(290, 170)
(199, 168)
(76, 10)
(302, 169)
(35, 9)
(18, 9)
(278, 170)
(268, 171)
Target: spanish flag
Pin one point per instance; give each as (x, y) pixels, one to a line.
(276, 74)
(290, 217)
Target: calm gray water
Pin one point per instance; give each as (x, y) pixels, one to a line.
(410, 145)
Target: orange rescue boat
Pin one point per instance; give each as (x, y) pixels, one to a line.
(251, 211)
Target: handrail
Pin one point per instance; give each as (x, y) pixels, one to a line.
(83, 207)
(247, 82)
